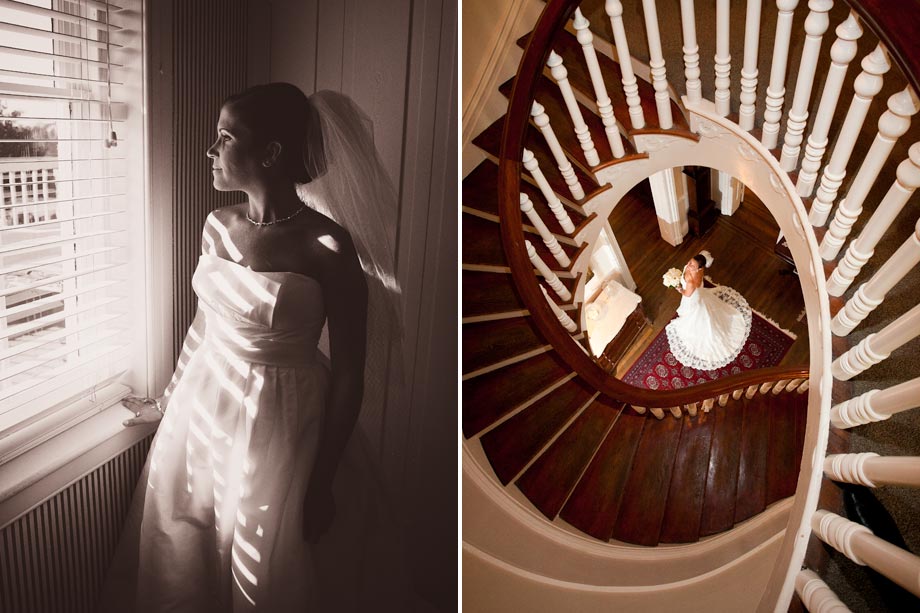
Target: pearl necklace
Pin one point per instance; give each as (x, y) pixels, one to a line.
(263, 224)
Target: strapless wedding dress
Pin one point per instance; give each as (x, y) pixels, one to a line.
(711, 327)
(216, 522)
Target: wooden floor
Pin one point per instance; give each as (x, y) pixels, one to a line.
(742, 247)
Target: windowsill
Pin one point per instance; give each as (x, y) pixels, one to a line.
(38, 474)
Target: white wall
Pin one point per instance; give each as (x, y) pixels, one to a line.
(397, 60)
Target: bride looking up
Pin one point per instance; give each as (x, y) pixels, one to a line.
(712, 325)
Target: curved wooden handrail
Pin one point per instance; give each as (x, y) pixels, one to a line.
(896, 25)
(552, 20)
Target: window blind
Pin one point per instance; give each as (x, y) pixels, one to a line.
(66, 317)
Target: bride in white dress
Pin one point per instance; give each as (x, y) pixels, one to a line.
(256, 495)
(712, 325)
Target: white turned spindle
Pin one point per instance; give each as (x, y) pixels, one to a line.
(692, 409)
(548, 239)
(555, 205)
(639, 410)
(776, 89)
(876, 405)
(723, 59)
(723, 400)
(893, 123)
(561, 315)
(551, 279)
(707, 404)
(659, 413)
(604, 105)
(857, 542)
(779, 387)
(816, 595)
(736, 395)
(766, 387)
(804, 387)
(675, 411)
(873, 470)
(748, 96)
(562, 162)
(862, 248)
(815, 26)
(656, 64)
(794, 384)
(866, 86)
(878, 346)
(561, 75)
(691, 51)
(751, 391)
(614, 9)
(842, 53)
(871, 293)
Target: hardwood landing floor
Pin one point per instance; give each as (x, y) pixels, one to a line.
(742, 248)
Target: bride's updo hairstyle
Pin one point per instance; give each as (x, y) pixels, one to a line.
(704, 259)
(280, 112)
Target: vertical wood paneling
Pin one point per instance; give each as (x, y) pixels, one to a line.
(209, 64)
(54, 558)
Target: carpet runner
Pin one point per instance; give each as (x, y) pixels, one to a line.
(658, 369)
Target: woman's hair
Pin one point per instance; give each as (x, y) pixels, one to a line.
(280, 112)
(704, 259)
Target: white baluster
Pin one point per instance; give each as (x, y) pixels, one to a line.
(675, 411)
(871, 293)
(794, 384)
(864, 548)
(815, 26)
(842, 53)
(561, 75)
(565, 166)
(656, 63)
(862, 248)
(866, 86)
(751, 391)
(723, 400)
(749, 68)
(804, 387)
(614, 10)
(737, 393)
(707, 404)
(548, 239)
(766, 387)
(723, 59)
(872, 470)
(551, 279)
(877, 346)
(816, 595)
(691, 51)
(893, 123)
(639, 410)
(779, 387)
(555, 205)
(692, 409)
(876, 405)
(659, 413)
(776, 89)
(604, 105)
(561, 315)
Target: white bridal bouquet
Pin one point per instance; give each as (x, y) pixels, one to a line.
(671, 278)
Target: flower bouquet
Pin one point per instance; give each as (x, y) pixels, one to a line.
(672, 278)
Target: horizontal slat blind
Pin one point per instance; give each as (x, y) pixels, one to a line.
(64, 312)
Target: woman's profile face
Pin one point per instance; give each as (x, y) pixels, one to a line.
(236, 160)
(692, 265)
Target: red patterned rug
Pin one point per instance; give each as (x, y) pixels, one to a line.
(658, 369)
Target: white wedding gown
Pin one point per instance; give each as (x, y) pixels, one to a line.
(216, 520)
(711, 327)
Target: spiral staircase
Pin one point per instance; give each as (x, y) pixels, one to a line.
(582, 492)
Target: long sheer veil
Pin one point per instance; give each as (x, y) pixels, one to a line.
(352, 188)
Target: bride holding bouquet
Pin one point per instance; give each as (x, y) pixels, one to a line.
(712, 325)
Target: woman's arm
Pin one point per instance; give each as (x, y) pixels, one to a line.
(690, 285)
(345, 292)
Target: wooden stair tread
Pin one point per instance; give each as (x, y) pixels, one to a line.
(549, 481)
(480, 192)
(752, 464)
(489, 397)
(548, 95)
(490, 139)
(722, 475)
(490, 342)
(516, 441)
(646, 491)
(681, 522)
(595, 502)
(485, 293)
(482, 244)
(783, 472)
